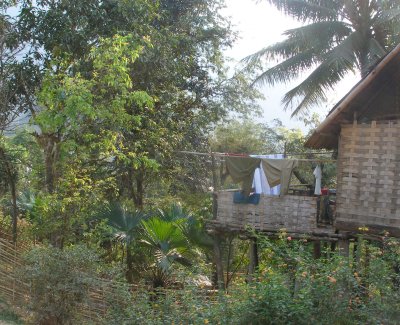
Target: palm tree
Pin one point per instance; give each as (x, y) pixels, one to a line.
(191, 226)
(167, 244)
(125, 229)
(340, 36)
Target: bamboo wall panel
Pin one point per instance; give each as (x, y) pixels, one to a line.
(293, 213)
(368, 170)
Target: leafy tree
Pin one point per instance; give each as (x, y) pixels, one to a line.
(183, 70)
(82, 126)
(241, 137)
(11, 105)
(338, 37)
(9, 176)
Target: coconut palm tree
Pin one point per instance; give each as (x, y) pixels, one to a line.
(338, 36)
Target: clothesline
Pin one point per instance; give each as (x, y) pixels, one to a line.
(222, 154)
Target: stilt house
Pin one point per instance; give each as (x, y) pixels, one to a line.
(364, 127)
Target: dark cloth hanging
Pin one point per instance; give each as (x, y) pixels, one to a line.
(242, 171)
(279, 171)
(239, 197)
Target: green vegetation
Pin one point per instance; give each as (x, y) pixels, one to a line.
(291, 288)
(7, 315)
(111, 215)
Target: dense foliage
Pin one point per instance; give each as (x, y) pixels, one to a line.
(291, 287)
(98, 101)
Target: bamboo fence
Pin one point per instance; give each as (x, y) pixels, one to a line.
(102, 295)
(16, 292)
(11, 288)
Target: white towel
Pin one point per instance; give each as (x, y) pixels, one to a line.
(260, 182)
(318, 177)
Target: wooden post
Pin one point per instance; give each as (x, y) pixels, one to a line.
(218, 262)
(317, 249)
(344, 247)
(358, 248)
(216, 237)
(253, 258)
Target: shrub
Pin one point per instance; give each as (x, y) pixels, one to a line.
(59, 280)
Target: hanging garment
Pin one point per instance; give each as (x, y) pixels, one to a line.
(239, 197)
(260, 183)
(242, 171)
(279, 171)
(318, 177)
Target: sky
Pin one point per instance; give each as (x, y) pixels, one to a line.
(259, 24)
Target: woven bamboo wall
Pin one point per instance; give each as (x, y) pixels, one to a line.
(11, 288)
(290, 212)
(369, 177)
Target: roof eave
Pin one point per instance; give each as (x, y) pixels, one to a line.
(316, 141)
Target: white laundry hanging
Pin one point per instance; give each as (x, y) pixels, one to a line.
(318, 177)
(260, 182)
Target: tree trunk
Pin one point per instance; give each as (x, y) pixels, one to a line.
(139, 193)
(50, 147)
(11, 175)
(218, 262)
(49, 144)
(253, 259)
(129, 265)
(15, 209)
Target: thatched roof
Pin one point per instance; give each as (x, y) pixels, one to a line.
(356, 102)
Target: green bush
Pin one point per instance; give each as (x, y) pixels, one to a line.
(8, 315)
(60, 280)
(291, 288)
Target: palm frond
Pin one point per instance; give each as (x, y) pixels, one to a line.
(160, 233)
(286, 70)
(166, 242)
(306, 42)
(125, 224)
(322, 34)
(341, 60)
(309, 10)
(26, 201)
(341, 36)
(375, 52)
(174, 213)
(389, 15)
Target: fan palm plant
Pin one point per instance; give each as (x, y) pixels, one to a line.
(339, 36)
(167, 244)
(192, 226)
(125, 229)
